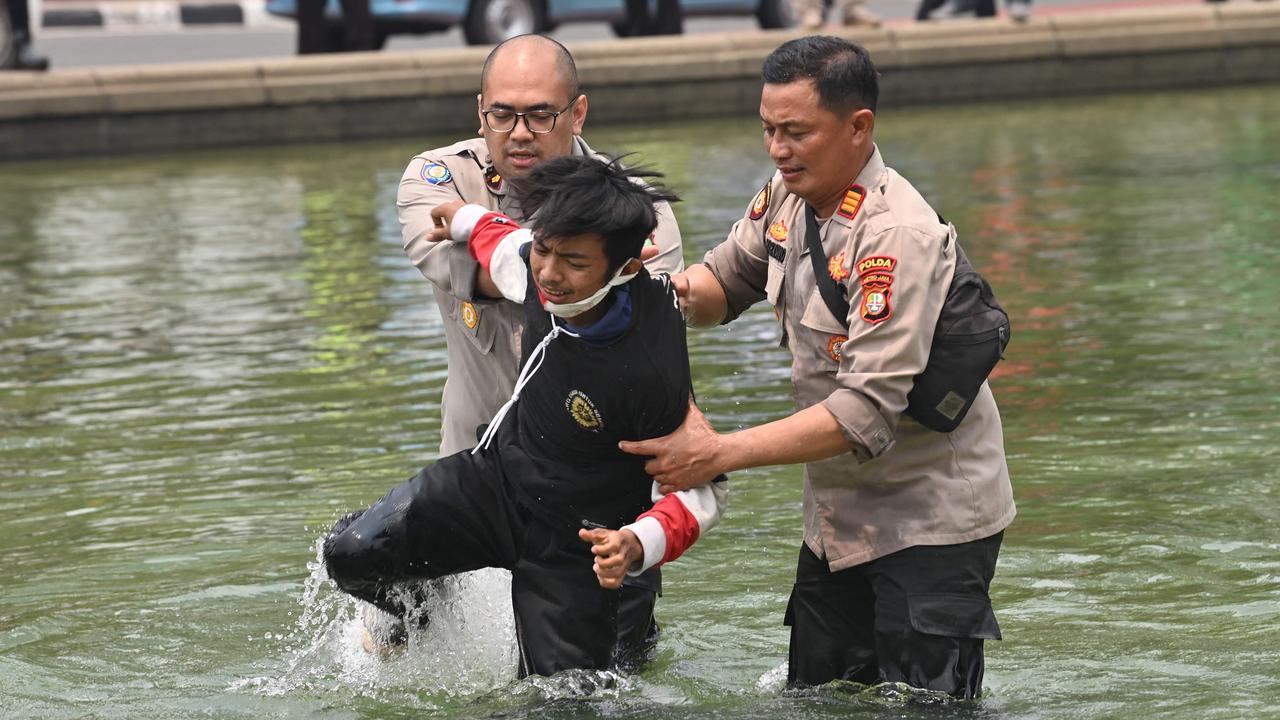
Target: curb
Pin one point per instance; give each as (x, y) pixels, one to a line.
(154, 13)
(364, 95)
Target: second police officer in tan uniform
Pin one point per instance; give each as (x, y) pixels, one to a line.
(531, 111)
(902, 524)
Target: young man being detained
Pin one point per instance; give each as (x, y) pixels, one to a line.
(604, 359)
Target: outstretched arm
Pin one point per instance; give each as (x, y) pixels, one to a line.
(695, 453)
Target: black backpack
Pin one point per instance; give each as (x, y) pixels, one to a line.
(969, 339)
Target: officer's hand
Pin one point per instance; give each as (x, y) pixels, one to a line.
(687, 458)
(649, 252)
(442, 216)
(616, 551)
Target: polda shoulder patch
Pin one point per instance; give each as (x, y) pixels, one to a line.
(761, 202)
(851, 201)
(876, 275)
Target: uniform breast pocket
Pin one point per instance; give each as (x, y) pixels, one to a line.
(829, 334)
(470, 319)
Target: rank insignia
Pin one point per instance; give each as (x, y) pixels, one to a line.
(778, 232)
(875, 303)
(436, 174)
(492, 179)
(836, 268)
(761, 203)
(470, 317)
(852, 201)
(835, 346)
(583, 411)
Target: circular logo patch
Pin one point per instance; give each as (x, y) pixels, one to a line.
(470, 317)
(583, 411)
(436, 174)
(835, 345)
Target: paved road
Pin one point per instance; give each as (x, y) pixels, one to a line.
(84, 47)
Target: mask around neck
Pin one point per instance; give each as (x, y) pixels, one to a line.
(568, 310)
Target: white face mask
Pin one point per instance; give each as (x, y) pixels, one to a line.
(568, 310)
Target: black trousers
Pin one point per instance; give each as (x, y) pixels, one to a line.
(460, 514)
(20, 18)
(917, 616)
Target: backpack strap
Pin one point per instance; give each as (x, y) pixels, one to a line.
(832, 295)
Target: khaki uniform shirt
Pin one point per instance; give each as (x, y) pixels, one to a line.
(483, 335)
(903, 484)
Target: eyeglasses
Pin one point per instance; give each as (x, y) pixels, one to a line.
(539, 122)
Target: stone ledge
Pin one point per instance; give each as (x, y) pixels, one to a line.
(243, 101)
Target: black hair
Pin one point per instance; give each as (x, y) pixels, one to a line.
(564, 64)
(841, 70)
(580, 195)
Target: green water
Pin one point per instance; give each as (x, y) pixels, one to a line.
(206, 358)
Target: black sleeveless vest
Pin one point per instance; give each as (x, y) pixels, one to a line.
(585, 398)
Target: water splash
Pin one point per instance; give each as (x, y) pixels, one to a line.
(468, 647)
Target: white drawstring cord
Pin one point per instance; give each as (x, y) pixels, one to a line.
(526, 373)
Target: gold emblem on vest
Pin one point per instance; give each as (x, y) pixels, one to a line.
(470, 317)
(583, 411)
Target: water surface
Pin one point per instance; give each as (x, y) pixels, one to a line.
(205, 358)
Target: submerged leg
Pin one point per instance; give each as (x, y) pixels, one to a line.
(451, 517)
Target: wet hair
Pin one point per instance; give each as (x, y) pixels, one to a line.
(579, 195)
(564, 64)
(842, 71)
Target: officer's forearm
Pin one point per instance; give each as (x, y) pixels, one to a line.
(806, 436)
(703, 299)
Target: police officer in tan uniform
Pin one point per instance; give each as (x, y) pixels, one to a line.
(902, 524)
(530, 110)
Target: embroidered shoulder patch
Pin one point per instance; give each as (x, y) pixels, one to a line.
(492, 179)
(852, 201)
(836, 268)
(876, 275)
(761, 203)
(470, 317)
(882, 263)
(583, 411)
(875, 303)
(436, 174)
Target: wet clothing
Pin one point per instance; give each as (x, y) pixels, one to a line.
(461, 514)
(518, 502)
(483, 335)
(918, 616)
(902, 485)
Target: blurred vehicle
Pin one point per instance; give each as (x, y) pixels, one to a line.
(487, 22)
